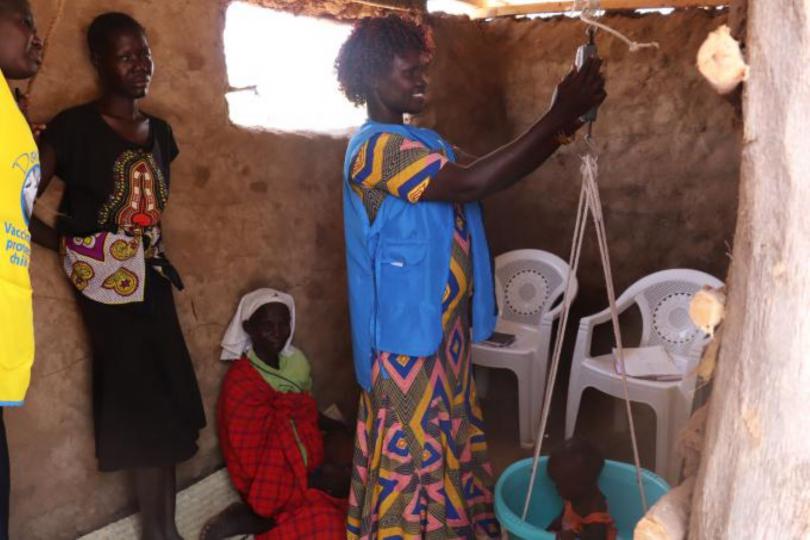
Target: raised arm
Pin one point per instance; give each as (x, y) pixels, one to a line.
(575, 95)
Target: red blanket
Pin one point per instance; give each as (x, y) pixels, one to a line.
(264, 460)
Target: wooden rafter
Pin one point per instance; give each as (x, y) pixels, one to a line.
(395, 5)
(567, 5)
(478, 4)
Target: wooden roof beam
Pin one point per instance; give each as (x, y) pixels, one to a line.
(562, 6)
(478, 4)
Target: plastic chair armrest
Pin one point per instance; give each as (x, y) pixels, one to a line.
(582, 347)
(594, 320)
(622, 303)
(552, 314)
(549, 316)
(586, 325)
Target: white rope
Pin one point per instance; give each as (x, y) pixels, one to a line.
(573, 265)
(589, 174)
(633, 45)
(589, 203)
(588, 12)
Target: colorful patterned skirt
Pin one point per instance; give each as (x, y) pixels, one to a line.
(420, 463)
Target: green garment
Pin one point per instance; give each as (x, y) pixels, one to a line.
(292, 375)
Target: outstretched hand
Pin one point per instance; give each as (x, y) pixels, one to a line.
(579, 92)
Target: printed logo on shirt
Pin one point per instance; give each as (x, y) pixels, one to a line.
(17, 239)
(18, 245)
(28, 164)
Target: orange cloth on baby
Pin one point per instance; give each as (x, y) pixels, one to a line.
(572, 521)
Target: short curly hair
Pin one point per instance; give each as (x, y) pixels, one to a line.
(105, 26)
(580, 453)
(371, 48)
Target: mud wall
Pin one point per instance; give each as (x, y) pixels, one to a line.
(669, 146)
(253, 209)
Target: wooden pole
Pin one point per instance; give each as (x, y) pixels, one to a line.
(381, 5)
(561, 6)
(754, 478)
(668, 519)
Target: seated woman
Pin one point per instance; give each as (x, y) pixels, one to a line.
(270, 432)
(574, 468)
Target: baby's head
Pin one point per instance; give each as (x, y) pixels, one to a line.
(574, 468)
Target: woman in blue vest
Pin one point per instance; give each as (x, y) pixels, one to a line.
(416, 252)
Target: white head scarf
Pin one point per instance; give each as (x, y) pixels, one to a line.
(236, 341)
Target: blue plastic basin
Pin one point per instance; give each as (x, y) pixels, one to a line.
(617, 482)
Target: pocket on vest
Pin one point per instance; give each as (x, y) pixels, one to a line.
(407, 322)
(403, 274)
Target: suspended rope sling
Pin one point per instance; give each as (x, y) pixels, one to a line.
(590, 204)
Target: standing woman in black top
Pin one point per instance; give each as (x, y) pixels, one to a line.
(114, 160)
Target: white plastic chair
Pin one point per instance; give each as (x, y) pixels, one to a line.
(663, 299)
(528, 282)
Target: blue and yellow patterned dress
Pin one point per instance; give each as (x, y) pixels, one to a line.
(420, 463)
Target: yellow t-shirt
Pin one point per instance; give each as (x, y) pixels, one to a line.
(19, 179)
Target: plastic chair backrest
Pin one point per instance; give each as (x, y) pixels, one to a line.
(528, 283)
(663, 299)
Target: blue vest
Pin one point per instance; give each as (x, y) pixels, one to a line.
(398, 265)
